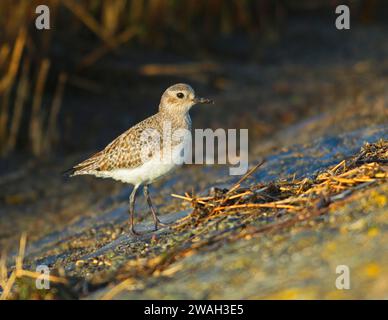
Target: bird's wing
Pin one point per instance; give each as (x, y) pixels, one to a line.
(123, 152)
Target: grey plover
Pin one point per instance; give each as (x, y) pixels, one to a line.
(123, 158)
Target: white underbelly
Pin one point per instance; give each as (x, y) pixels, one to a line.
(148, 172)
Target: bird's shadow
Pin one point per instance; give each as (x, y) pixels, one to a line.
(146, 232)
(36, 252)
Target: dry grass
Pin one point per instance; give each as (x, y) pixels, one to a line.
(300, 199)
(8, 280)
(288, 203)
(25, 65)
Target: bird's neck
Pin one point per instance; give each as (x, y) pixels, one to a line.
(178, 119)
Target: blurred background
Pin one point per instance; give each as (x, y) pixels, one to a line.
(103, 64)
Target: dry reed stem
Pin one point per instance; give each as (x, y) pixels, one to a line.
(22, 250)
(8, 79)
(188, 198)
(8, 286)
(246, 176)
(36, 123)
(111, 11)
(52, 132)
(340, 164)
(21, 96)
(273, 205)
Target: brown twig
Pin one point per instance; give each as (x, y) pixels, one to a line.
(246, 176)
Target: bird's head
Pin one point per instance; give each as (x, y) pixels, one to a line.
(179, 98)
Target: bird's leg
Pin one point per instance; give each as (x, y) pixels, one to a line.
(132, 199)
(157, 222)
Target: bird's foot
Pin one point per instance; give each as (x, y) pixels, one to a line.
(159, 224)
(133, 231)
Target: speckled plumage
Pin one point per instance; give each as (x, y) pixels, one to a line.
(124, 151)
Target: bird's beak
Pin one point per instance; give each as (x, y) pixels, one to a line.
(203, 101)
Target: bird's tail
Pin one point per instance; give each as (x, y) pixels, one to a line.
(85, 167)
(68, 173)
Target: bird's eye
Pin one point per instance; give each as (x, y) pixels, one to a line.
(180, 95)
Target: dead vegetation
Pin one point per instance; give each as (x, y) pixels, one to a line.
(245, 210)
(279, 205)
(25, 65)
(12, 282)
(300, 198)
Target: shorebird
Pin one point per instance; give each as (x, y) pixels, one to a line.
(123, 159)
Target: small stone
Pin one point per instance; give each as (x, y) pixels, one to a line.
(80, 263)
